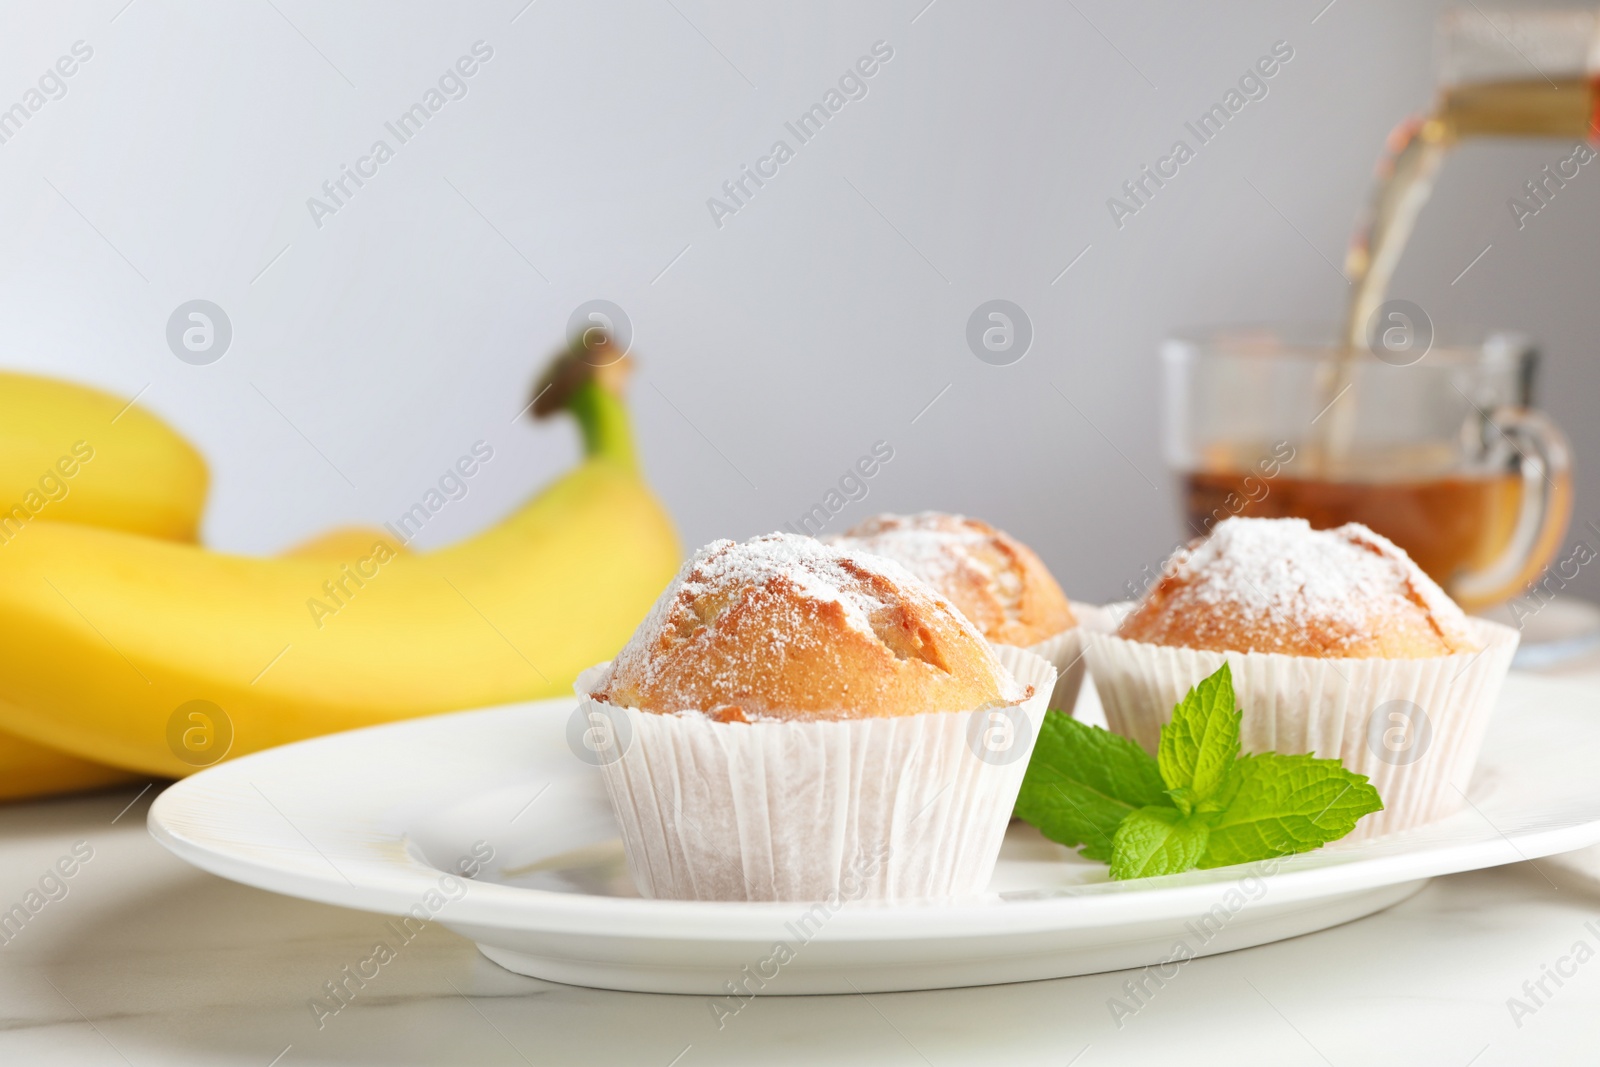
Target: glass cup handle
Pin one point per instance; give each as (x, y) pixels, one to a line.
(1545, 463)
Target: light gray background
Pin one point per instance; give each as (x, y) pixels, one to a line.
(775, 350)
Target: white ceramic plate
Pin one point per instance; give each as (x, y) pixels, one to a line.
(378, 819)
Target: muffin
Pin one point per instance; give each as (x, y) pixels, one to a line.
(1277, 585)
(798, 721)
(997, 581)
(1339, 646)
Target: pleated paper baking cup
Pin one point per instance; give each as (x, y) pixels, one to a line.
(1412, 726)
(858, 809)
(1065, 652)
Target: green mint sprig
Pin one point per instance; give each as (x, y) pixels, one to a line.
(1197, 804)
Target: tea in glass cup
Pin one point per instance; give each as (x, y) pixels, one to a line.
(1444, 456)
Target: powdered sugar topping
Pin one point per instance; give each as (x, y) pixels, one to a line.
(814, 571)
(936, 547)
(1282, 569)
(724, 573)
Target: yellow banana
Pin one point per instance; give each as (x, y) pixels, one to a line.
(108, 639)
(30, 770)
(69, 453)
(343, 543)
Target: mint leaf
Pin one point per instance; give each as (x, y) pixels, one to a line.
(1199, 746)
(1154, 841)
(1276, 805)
(1081, 783)
(1199, 803)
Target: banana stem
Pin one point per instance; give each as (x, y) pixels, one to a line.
(587, 380)
(603, 418)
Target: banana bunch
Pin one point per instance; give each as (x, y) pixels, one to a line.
(123, 644)
(73, 454)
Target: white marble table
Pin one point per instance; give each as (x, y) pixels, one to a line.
(147, 961)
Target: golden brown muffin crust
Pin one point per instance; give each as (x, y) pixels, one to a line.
(786, 627)
(1277, 585)
(997, 581)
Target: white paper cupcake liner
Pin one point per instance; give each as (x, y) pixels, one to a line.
(1066, 652)
(1412, 726)
(858, 809)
